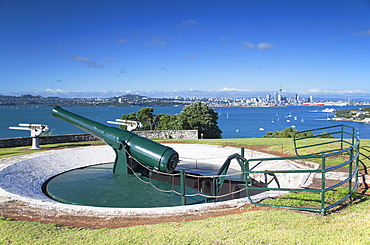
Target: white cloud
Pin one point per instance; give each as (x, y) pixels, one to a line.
(188, 22)
(363, 33)
(80, 94)
(234, 89)
(335, 38)
(265, 46)
(260, 46)
(190, 57)
(107, 59)
(122, 71)
(249, 45)
(158, 41)
(122, 40)
(88, 62)
(55, 91)
(280, 54)
(336, 92)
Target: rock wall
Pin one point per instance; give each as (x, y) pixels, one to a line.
(49, 139)
(168, 134)
(67, 138)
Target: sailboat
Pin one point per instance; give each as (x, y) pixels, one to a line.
(227, 114)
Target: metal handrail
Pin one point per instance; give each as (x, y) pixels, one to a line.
(217, 180)
(353, 151)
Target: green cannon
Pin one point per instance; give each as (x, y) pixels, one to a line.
(127, 145)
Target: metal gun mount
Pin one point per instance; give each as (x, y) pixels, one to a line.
(131, 125)
(128, 146)
(36, 130)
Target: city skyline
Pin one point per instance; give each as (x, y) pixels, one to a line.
(185, 48)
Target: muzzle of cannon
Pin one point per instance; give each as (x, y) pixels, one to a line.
(125, 144)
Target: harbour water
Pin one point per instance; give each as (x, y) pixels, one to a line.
(235, 122)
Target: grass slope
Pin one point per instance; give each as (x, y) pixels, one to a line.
(255, 227)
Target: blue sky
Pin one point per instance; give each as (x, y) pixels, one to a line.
(167, 48)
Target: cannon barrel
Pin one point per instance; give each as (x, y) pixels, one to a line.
(146, 151)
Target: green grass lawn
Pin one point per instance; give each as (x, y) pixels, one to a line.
(15, 151)
(350, 225)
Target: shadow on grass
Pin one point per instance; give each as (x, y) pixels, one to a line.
(54, 147)
(360, 198)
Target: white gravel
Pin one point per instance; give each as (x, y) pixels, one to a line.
(22, 177)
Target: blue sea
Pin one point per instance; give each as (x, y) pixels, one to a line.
(235, 122)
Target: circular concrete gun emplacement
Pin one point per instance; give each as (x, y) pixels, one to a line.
(42, 179)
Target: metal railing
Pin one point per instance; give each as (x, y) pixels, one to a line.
(342, 143)
(336, 147)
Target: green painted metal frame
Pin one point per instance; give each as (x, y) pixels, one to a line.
(220, 176)
(352, 150)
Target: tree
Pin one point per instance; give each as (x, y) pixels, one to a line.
(202, 118)
(325, 134)
(144, 115)
(287, 133)
(196, 116)
(344, 113)
(167, 122)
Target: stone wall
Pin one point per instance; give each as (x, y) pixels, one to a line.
(168, 134)
(67, 138)
(49, 139)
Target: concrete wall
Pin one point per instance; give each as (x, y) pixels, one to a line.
(67, 138)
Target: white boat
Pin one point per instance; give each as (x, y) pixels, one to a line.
(331, 110)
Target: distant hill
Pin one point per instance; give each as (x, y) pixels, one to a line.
(125, 100)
